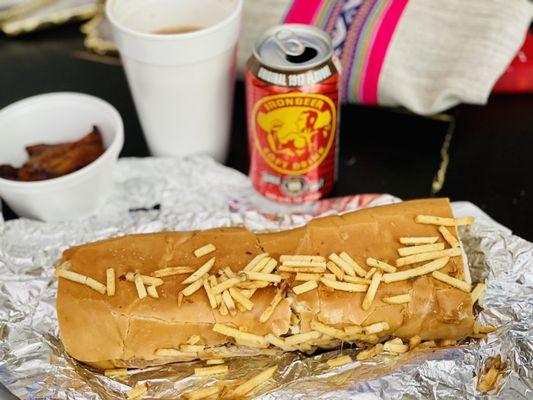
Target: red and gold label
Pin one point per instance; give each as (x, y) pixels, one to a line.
(294, 132)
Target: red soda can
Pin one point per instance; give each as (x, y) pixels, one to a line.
(292, 98)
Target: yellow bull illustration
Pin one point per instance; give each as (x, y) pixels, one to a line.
(292, 130)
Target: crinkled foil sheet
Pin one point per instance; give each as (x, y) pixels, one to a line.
(196, 193)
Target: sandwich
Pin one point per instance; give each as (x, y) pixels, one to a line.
(364, 277)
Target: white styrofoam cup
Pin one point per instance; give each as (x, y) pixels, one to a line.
(182, 84)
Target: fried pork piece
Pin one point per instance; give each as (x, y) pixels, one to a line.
(53, 160)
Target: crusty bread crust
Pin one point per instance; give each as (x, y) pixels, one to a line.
(124, 331)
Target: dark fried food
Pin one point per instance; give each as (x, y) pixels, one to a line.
(51, 161)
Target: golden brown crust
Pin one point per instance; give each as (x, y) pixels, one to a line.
(125, 331)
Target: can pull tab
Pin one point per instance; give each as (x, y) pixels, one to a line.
(289, 43)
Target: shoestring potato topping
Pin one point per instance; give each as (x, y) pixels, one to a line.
(339, 361)
(372, 262)
(204, 250)
(416, 240)
(425, 248)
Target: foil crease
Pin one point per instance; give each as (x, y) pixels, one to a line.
(151, 195)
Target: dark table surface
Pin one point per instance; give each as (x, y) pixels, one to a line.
(382, 150)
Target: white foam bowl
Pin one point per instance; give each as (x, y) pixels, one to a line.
(55, 118)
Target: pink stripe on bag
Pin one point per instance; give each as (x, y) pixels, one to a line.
(382, 39)
(303, 11)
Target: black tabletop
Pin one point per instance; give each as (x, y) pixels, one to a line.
(382, 150)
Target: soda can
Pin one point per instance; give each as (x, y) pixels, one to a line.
(292, 99)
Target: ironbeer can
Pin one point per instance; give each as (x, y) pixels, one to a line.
(292, 96)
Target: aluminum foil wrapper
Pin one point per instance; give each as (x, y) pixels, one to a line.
(196, 193)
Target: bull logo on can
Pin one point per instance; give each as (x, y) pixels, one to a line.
(294, 132)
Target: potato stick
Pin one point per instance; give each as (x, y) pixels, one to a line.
(173, 353)
(193, 287)
(192, 348)
(344, 286)
(235, 333)
(204, 269)
(307, 277)
(71, 276)
(414, 341)
(247, 343)
(373, 351)
(253, 285)
(478, 292)
(202, 251)
(241, 299)
(180, 299)
(449, 237)
(139, 285)
(356, 279)
(353, 329)
(488, 380)
(332, 277)
(116, 372)
(432, 255)
(346, 267)
(137, 392)
(302, 269)
(223, 309)
(214, 361)
(254, 261)
(225, 285)
(152, 292)
(284, 258)
(229, 273)
(269, 267)
(94, 284)
(372, 262)
(427, 345)
(302, 338)
(328, 330)
(203, 393)
(373, 338)
(376, 328)
(215, 370)
(395, 348)
(370, 272)
(259, 276)
(459, 284)
(260, 265)
(278, 342)
(194, 339)
(160, 273)
(419, 239)
(321, 264)
(372, 290)
(110, 277)
(339, 361)
(418, 271)
(147, 280)
(305, 287)
(408, 251)
(272, 306)
(400, 299)
(210, 296)
(339, 273)
(432, 220)
(356, 267)
(478, 328)
(246, 387)
(228, 300)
